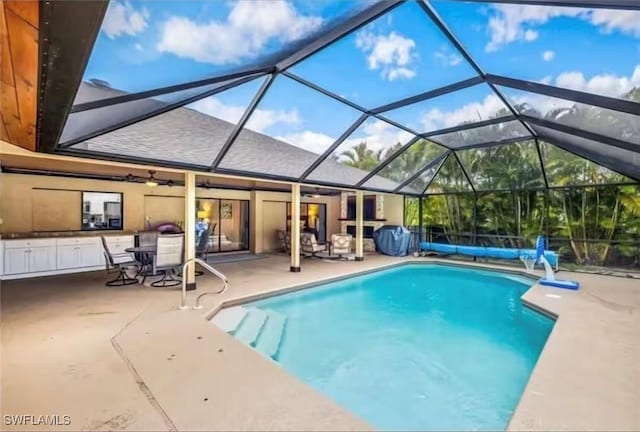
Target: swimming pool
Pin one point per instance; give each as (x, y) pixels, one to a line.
(420, 346)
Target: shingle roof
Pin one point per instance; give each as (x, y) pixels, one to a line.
(188, 136)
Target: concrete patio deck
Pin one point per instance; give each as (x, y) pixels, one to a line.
(126, 358)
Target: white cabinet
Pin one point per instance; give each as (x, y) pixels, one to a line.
(48, 256)
(42, 258)
(16, 261)
(90, 255)
(79, 253)
(67, 257)
(28, 256)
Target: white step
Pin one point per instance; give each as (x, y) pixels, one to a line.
(251, 326)
(229, 319)
(271, 335)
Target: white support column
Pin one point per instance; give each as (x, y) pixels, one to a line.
(190, 226)
(295, 228)
(359, 226)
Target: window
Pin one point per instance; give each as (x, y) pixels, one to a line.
(101, 211)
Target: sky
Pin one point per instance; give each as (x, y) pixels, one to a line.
(147, 44)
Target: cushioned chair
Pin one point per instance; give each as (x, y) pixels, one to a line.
(309, 245)
(168, 259)
(120, 263)
(341, 244)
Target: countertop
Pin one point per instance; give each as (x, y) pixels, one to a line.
(62, 234)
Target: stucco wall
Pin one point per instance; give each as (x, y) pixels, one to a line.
(19, 202)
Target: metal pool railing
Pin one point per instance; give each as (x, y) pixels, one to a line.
(206, 266)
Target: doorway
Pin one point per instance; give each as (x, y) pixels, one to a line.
(225, 222)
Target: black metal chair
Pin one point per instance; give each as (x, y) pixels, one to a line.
(202, 248)
(120, 263)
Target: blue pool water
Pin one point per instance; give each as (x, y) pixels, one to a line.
(415, 347)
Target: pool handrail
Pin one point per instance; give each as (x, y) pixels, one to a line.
(206, 266)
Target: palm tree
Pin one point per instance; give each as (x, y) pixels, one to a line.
(360, 156)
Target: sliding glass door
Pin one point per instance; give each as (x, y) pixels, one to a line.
(223, 223)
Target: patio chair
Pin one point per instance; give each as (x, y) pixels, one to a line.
(341, 244)
(168, 259)
(119, 262)
(309, 246)
(285, 241)
(202, 248)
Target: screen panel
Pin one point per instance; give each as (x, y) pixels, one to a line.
(294, 124)
(402, 51)
(623, 161)
(408, 163)
(567, 169)
(469, 105)
(368, 146)
(482, 135)
(602, 121)
(85, 123)
(193, 134)
(505, 166)
(591, 50)
(450, 179)
(145, 45)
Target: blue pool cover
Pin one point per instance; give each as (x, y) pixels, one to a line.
(489, 252)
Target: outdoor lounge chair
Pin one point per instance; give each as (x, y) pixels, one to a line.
(489, 252)
(310, 247)
(341, 245)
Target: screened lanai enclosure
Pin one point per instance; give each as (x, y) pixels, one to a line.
(498, 121)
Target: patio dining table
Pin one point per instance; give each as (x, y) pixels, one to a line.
(145, 254)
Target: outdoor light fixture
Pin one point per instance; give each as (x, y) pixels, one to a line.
(151, 181)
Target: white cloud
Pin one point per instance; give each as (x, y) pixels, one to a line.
(447, 58)
(262, 120)
(611, 20)
(392, 54)
(259, 121)
(313, 141)
(435, 118)
(548, 55)
(511, 23)
(138, 47)
(122, 18)
(604, 84)
(249, 27)
(379, 135)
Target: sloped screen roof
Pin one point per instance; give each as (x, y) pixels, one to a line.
(407, 96)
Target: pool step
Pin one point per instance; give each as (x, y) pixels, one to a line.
(250, 327)
(229, 319)
(271, 335)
